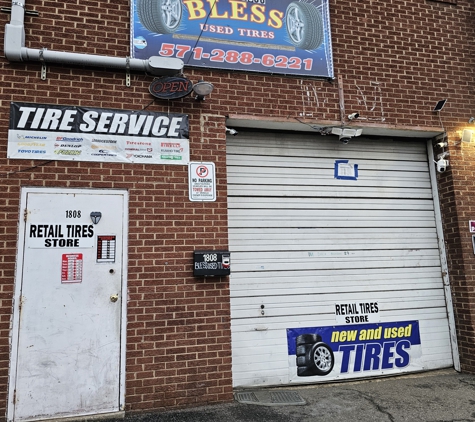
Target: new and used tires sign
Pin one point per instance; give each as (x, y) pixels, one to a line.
(273, 36)
(54, 132)
(348, 351)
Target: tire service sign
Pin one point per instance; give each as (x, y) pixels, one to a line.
(54, 132)
(272, 36)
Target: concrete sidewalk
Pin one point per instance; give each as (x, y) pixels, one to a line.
(436, 396)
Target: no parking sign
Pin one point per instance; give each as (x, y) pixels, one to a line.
(202, 182)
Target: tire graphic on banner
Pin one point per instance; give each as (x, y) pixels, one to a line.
(304, 25)
(160, 16)
(313, 356)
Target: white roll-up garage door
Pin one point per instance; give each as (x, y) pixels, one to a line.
(336, 270)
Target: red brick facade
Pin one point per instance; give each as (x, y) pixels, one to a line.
(394, 61)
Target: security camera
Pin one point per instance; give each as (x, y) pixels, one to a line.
(443, 155)
(442, 165)
(233, 132)
(344, 139)
(353, 116)
(442, 144)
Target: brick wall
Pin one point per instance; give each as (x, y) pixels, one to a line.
(395, 60)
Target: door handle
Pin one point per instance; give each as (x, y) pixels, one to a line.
(114, 298)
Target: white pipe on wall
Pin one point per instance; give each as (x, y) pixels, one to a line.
(15, 50)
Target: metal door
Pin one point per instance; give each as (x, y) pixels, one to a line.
(67, 352)
(304, 242)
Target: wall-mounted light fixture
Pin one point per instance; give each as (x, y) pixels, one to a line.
(202, 89)
(345, 134)
(439, 106)
(467, 135)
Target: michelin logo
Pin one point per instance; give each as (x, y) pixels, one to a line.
(23, 137)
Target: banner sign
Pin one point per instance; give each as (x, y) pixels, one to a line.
(351, 351)
(54, 132)
(271, 36)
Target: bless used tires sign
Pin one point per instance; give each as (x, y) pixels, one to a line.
(273, 36)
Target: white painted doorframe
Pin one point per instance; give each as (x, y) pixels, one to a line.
(14, 340)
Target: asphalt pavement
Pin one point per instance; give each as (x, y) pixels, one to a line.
(436, 396)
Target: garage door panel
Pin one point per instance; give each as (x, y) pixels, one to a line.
(334, 278)
(330, 203)
(277, 290)
(324, 177)
(356, 151)
(323, 238)
(346, 190)
(294, 297)
(263, 353)
(333, 264)
(283, 288)
(298, 215)
(316, 180)
(315, 255)
(307, 166)
(274, 165)
(256, 378)
(303, 241)
(329, 308)
(332, 222)
(258, 323)
(325, 245)
(264, 362)
(437, 346)
(262, 161)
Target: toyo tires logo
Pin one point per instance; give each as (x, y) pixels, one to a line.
(356, 349)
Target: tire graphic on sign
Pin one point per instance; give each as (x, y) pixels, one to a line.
(304, 25)
(313, 356)
(160, 16)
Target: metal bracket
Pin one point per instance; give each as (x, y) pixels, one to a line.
(43, 65)
(127, 71)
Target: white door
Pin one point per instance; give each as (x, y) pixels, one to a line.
(66, 342)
